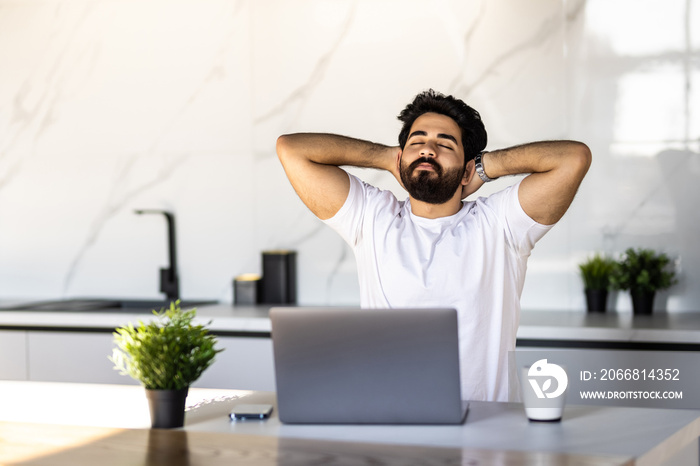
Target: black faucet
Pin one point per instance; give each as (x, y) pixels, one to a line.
(169, 282)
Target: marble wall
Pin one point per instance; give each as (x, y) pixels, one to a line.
(107, 106)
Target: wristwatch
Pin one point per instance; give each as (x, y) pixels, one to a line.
(480, 168)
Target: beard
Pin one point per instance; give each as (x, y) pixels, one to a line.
(431, 187)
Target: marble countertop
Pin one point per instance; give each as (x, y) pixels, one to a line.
(219, 317)
(683, 328)
(611, 326)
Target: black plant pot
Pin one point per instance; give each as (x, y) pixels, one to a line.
(642, 302)
(167, 408)
(596, 300)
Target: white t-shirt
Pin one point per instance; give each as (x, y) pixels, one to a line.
(473, 261)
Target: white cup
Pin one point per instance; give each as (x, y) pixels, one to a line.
(543, 386)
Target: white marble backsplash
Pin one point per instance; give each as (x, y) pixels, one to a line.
(110, 106)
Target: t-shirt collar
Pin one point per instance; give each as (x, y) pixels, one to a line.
(435, 221)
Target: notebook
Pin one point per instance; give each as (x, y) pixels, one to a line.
(367, 366)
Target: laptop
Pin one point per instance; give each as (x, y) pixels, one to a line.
(367, 366)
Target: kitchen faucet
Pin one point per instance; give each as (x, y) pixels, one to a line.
(169, 282)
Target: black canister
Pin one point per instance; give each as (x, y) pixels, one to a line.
(247, 289)
(279, 282)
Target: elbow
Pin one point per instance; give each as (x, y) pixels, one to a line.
(581, 157)
(283, 146)
(289, 147)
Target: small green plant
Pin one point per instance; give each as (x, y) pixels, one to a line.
(168, 353)
(643, 270)
(597, 272)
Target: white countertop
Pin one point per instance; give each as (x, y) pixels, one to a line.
(534, 325)
(610, 326)
(223, 317)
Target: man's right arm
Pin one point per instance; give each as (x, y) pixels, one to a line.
(312, 161)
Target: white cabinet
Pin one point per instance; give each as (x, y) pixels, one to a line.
(246, 363)
(72, 357)
(13, 355)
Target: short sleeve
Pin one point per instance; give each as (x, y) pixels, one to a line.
(347, 222)
(521, 230)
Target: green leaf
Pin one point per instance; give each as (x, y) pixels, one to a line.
(597, 272)
(166, 353)
(643, 270)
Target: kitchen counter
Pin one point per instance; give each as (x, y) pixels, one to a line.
(224, 319)
(662, 331)
(54, 423)
(678, 331)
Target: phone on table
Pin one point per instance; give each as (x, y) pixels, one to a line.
(250, 411)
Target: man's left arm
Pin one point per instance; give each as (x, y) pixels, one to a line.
(556, 170)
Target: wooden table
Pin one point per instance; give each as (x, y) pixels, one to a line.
(75, 424)
(37, 444)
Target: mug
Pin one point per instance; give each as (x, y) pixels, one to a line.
(543, 387)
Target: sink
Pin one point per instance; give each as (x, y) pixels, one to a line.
(102, 305)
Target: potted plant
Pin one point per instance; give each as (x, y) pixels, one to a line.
(597, 272)
(643, 272)
(166, 355)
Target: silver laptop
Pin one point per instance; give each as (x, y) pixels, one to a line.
(367, 366)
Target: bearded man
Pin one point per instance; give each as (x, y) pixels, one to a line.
(435, 249)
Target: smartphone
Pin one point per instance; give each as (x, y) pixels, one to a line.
(250, 411)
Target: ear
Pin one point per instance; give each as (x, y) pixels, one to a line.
(469, 172)
(398, 160)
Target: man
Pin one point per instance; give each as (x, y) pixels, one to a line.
(435, 250)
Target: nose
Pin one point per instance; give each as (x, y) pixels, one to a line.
(428, 149)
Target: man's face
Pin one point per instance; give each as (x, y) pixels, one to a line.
(432, 162)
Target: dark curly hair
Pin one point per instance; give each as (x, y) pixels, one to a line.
(469, 121)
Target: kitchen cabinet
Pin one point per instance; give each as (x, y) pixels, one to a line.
(13, 355)
(245, 364)
(73, 346)
(62, 356)
(72, 357)
(623, 371)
